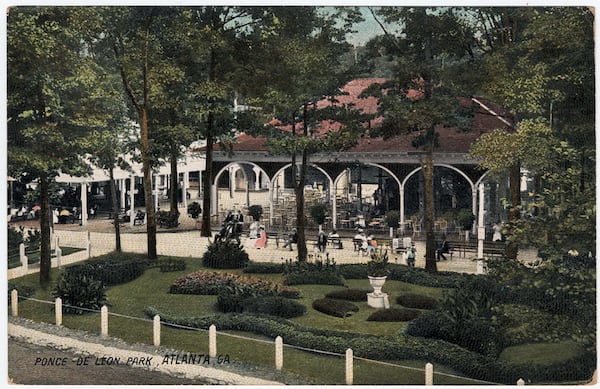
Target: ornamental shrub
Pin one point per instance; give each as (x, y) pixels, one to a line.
(273, 305)
(394, 314)
(226, 254)
(113, 268)
(469, 363)
(264, 268)
(166, 265)
(79, 292)
(412, 300)
(314, 278)
(213, 283)
(332, 307)
(349, 294)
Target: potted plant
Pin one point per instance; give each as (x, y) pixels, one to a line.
(377, 270)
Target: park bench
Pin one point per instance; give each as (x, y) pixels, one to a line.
(139, 219)
(335, 242)
(273, 235)
(490, 249)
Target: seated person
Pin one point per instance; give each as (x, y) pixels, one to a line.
(261, 242)
(335, 237)
(253, 233)
(361, 236)
(292, 238)
(371, 244)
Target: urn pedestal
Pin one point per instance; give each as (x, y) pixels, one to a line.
(377, 299)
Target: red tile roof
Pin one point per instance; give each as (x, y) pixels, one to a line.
(450, 140)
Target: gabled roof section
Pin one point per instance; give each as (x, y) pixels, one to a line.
(488, 117)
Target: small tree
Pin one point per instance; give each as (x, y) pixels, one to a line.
(194, 210)
(319, 213)
(392, 218)
(255, 211)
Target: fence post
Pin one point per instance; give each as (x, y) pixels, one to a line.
(23, 259)
(14, 302)
(428, 374)
(56, 242)
(88, 246)
(212, 341)
(520, 382)
(58, 257)
(58, 310)
(157, 330)
(349, 367)
(278, 353)
(104, 321)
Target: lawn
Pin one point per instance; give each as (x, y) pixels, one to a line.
(151, 289)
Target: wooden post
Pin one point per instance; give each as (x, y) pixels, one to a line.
(520, 382)
(212, 341)
(349, 367)
(428, 374)
(88, 246)
(157, 330)
(14, 302)
(58, 311)
(104, 321)
(278, 353)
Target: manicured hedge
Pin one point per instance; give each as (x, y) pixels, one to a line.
(169, 264)
(394, 314)
(332, 307)
(391, 348)
(113, 268)
(412, 300)
(411, 275)
(213, 283)
(349, 294)
(313, 278)
(277, 306)
(264, 268)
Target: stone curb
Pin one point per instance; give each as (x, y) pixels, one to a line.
(190, 371)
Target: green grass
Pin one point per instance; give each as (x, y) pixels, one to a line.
(544, 354)
(151, 289)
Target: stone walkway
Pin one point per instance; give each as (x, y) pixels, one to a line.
(185, 241)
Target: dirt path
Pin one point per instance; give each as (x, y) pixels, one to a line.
(23, 369)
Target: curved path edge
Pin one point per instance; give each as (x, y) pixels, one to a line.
(18, 329)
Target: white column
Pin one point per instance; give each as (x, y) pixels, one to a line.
(154, 193)
(84, 206)
(349, 367)
(184, 190)
(131, 199)
(271, 209)
(480, 225)
(104, 321)
(123, 189)
(58, 311)
(213, 200)
(156, 330)
(279, 353)
(333, 197)
(257, 173)
(212, 341)
(231, 172)
(402, 226)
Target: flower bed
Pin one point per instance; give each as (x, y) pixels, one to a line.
(213, 283)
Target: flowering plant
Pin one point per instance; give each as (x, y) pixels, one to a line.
(377, 266)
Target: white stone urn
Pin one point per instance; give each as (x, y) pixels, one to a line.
(377, 284)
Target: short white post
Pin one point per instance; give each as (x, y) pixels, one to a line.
(349, 367)
(520, 382)
(58, 311)
(88, 246)
(58, 257)
(56, 243)
(157, 330)
(279, 353)
(212, 341)
(428, 374)
(391, 232)
(480, 269)
(104, 321)
(14, 302)
(23, 258)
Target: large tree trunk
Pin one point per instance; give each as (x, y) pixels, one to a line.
(174, 190)
(45, 258)
(207, 181)
(115, 213)
(147, 168)
(514, 212)
(430, 261)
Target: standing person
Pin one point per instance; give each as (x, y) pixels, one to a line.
(497, 237)
(321, 241)
(411, 256)
(444, 248)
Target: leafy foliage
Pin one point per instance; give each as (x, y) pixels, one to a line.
(394, 315)
(227, 254)
(194, 210)
(419, 301)
(333, 307)
(112, 269)
(349, 294)
(80, 292)
(255, 211)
